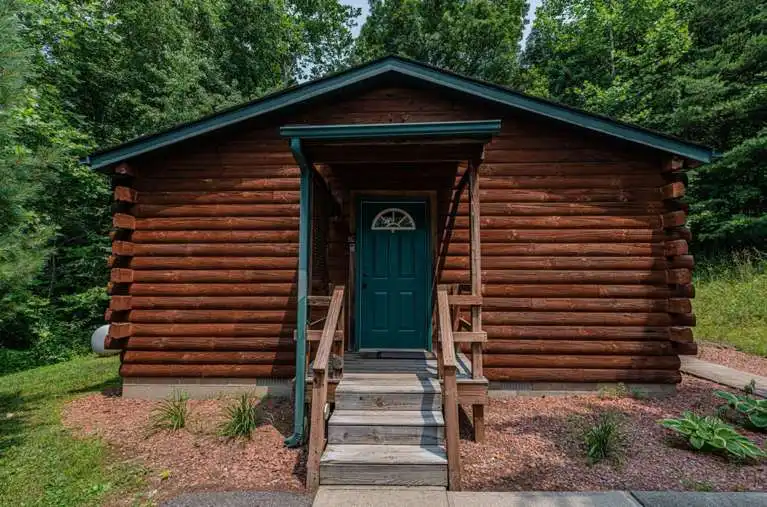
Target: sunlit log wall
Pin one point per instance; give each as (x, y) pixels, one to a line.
(586, 268)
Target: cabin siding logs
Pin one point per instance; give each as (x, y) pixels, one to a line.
(586, 268)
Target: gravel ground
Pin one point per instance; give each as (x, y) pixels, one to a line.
(195, 458)
(733, 358)
(536, 444)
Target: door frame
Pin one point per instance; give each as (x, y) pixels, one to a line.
(429, 197)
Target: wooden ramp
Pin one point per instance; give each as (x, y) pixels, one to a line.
(387, 427)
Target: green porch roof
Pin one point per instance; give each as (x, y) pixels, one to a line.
(371, 73)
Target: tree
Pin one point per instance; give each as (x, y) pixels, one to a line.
(479, 38)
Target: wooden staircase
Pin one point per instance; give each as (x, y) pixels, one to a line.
(387, 427)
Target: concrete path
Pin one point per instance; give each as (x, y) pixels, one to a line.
(425, 497)
(241, 499)
(729, 377)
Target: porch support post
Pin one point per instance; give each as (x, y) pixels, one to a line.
(304, 243)
(475, 251)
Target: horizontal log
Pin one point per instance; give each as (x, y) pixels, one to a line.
(247, 170)
(553, 154)
(582, 375)
(509, 318)
(287, 317)
(206, 302)
(674, 219)
(123, 221)
(207, 370)
(203, 276)
(570, 195)
(186, 357)
(672, 164)
(580, 304)
(534, 262)
(554, 361)
(216, 210)
(560, 249)
(123, 169)
(686, 349)
(563, 222)
(563, 235)
(150, 263)
(680, 334)
(212, 289)
(637, 348)
(125, 194)
(586, 291)
(220, 236)
(228, 197)
(678, 276)
(609, 332)
(213, 343)
(676, 233)
(676, 247)
(673, 190)
(559, 277)
(562, 168)
(572, 181)
(500, 209)
(682, 262)
(215, 223)
(212, 329)
(678, 305)
(126, 248)
(217, 184)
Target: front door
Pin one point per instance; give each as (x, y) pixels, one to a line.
(394, 274)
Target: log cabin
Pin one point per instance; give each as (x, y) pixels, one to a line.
(401, 222)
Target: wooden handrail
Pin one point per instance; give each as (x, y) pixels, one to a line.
(448, 367)
(320, 389)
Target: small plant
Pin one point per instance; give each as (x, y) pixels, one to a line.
(703, 486)
(605, 439)
(619, 390)
(712, 434)
(171, 414)
(752, 410)
(750, 388)
(242, 417)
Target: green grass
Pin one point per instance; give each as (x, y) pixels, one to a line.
(41, 463)
(731, 301)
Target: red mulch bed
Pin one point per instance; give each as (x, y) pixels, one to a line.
(728, 356)
(194, 458)
(535, 443)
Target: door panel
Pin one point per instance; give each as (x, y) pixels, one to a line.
(394, 268)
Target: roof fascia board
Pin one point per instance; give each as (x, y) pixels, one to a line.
(484, 129)
(553, 111)
(268, 105)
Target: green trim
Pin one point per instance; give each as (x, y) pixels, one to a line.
(483, 130)
(304, 242)
(399, 67)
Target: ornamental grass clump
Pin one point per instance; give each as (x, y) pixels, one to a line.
(711, 434)
(605, 439)
(750, 412)
(171, 414)
(242, 417)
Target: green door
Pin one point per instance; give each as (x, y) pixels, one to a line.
(394, 274)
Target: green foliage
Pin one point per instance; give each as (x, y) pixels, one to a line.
(750, 387)
(753, 410)
(713, 435)
(479, 38)
(41, 462)
(171, 414)
(729, 293)
(242, 417)
(605, 439)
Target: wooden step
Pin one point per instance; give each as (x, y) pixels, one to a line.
(386, 465)
(395, 354)
(391, 393)
(405, 427)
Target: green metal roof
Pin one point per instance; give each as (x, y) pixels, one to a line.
(392, 66)
(484, 129)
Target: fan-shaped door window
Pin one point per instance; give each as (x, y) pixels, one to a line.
(393, 219)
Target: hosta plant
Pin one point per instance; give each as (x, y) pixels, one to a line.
(752, 410)
(712, 434)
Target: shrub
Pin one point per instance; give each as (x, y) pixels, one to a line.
(712, 434)
(751, 410)
(242, 417)
(171, 414)
(605, 439)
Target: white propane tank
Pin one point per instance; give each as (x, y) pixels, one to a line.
(97, 342)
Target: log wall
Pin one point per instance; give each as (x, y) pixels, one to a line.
(586, 269)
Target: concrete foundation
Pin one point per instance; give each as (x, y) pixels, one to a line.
(513, 389)
(151, 388)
